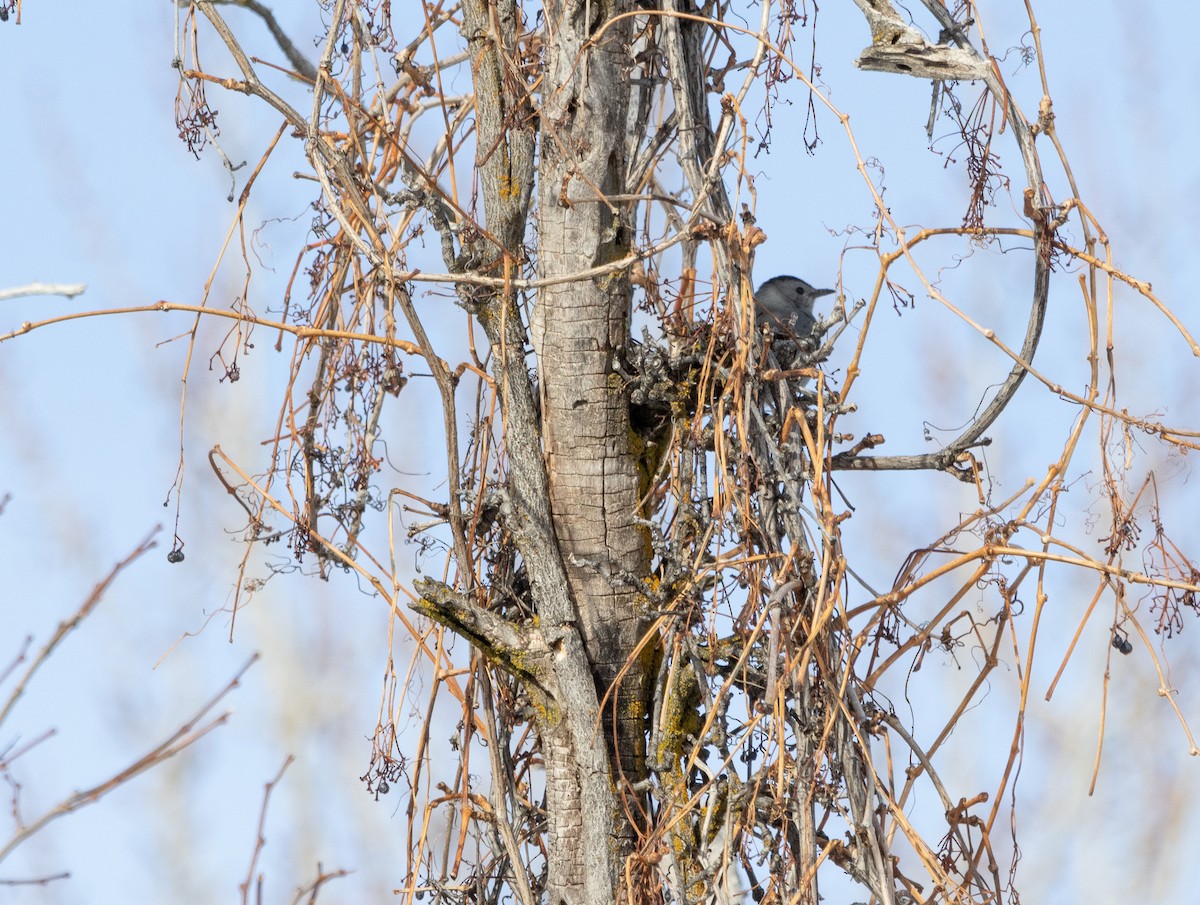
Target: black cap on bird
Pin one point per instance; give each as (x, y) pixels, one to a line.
(785, 304)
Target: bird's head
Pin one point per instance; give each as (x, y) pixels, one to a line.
(785, 304)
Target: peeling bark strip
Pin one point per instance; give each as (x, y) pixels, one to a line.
(593, 476)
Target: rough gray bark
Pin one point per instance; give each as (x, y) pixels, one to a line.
(573, 491)
(577, 325)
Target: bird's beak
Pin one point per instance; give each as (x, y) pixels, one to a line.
(817, 293)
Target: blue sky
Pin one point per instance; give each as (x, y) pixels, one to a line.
(100, 190)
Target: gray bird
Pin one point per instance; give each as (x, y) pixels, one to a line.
(785, 304)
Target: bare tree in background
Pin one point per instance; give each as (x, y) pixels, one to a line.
(664, 653)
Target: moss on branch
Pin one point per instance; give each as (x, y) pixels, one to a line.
(517, 649)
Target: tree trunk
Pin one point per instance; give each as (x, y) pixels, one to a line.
(577, 325)
(573, 488)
